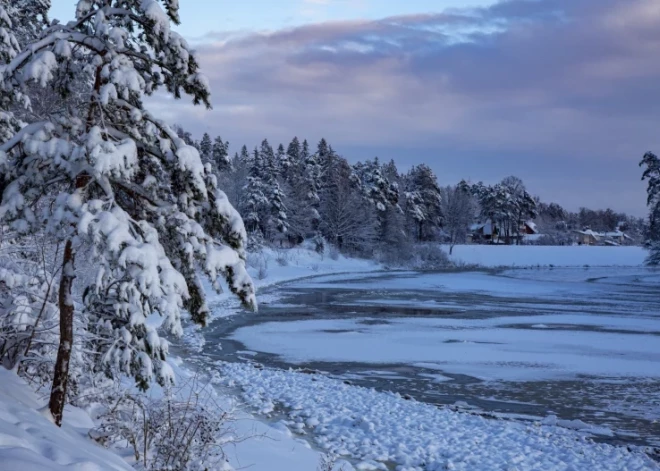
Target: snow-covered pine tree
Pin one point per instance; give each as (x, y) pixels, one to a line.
(652, 175)
(283, 162)
(256, 197)
(423, 201)
(268, 162)
(29, 18)
(9, 48)
(323, 153)
(393, 231)
(278, 224)
(312, 176)
(234, 178)
(376, 188)
(206, 148)
(346, 218)
(304, 151)
(301, 209)
(293, 152)
(184, 135)
(221, 155)
(122, 182)
(522, 206)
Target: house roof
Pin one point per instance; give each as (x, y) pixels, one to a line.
(589, 232)
(486, 226)
(607, 235)
(532, 226)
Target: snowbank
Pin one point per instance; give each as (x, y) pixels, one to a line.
(558, 256)
(272, 266)
(251, 444)
(384, 428)
(29, 441)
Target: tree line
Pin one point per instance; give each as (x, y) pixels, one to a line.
(290, 193)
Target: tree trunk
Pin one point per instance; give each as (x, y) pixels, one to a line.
(65, 301)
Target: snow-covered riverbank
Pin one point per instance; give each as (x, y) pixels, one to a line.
(383, 428)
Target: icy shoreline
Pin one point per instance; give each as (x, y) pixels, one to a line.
(382, 428)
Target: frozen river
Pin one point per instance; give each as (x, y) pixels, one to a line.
(579, 344)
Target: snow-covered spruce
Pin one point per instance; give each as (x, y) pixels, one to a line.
(652, 174)
(423, 201)
(119, 182)
(383, 427)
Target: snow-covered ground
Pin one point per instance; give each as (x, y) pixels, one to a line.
(558, 256)
(271, 447)
(254, 444)
(378, 428)
(370, 427)
(30, 441)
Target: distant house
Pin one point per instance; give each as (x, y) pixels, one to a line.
(617, 237)
(589, 237)
(529, 228)
(482, 231)
(488, 231)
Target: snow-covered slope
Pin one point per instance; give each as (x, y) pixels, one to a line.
(29, 441)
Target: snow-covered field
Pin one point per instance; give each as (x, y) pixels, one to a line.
(558, 256)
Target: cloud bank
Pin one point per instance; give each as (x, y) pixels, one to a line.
(564, 93)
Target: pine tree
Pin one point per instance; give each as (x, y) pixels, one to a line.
(29, 18)
(423, 201)
(283, 162)
(205, 148)
(122, 183)
(377, 190)
(278, 221)
(346, 218)
(652, 174)
(221, 155)
(184, 135)
(293, 151)
(256, 194)
(268, 162)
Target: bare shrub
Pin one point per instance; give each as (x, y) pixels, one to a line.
(432, 257)
(282, 257)
(334, 253)
(183, 431)
(259, 261)
(328, 462)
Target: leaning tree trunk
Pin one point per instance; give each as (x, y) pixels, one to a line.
(65, 301)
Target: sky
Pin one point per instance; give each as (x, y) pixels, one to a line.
(562, 93)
